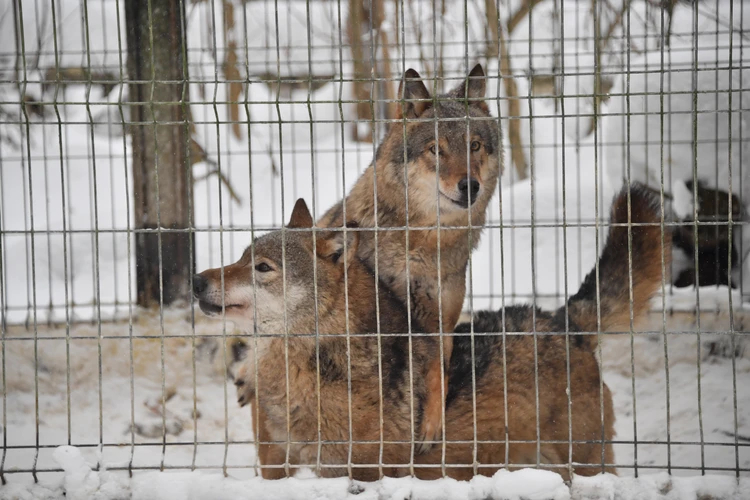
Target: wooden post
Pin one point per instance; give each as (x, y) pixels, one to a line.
(162, 180)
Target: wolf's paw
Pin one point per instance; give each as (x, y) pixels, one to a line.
(244, 384)
(432, 429)
(427, 441)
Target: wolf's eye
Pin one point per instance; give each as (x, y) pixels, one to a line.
(475, 145)
(433, 149)
(263, 268)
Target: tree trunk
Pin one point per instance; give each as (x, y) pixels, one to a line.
(517, 156)
(386, 89)
(362, 87)
(162, 180)
(493, 44)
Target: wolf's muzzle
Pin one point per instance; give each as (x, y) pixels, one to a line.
(469, 188)
(200, 284)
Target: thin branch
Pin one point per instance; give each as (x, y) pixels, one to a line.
(417, 27)
(514, 110)
(224, 180)
(615, 23)
(199, 155)
(602, 86)
(521, 13)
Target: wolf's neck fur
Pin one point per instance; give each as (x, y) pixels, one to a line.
(361, 306)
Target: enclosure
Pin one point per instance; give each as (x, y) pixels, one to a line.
(143, 141)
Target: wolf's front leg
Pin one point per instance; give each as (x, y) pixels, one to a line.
(436, 378)
(272, 456)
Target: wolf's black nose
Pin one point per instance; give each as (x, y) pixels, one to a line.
(199, 284)
(469, 186)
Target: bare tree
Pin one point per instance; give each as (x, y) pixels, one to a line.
(162, 179)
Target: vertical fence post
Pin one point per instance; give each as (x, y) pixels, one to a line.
(162, 183)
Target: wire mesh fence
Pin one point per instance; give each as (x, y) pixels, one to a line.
(144, 141)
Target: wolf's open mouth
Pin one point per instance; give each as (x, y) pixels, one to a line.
(210, 308)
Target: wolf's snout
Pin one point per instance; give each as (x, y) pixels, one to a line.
(200, 284)
(468, 187)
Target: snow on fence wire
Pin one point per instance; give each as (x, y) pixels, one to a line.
(143, 141)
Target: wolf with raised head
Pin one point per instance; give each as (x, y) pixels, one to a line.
(434, 173)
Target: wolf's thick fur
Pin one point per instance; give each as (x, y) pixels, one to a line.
(638, 255)
(499, 362)
(302, 356)
(591, 414)
(415, 176)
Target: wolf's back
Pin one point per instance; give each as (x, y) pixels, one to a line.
(642, 256)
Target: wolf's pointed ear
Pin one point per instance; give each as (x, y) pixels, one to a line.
(412, 88)
(331, 245)
(477, 86)
(301, 217)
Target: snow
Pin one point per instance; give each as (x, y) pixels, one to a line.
(721, 112)
(81, 483)
(682, 200)
(659, 486)
(645, 416)
(527, 484)
(703, 135)
(177, 362)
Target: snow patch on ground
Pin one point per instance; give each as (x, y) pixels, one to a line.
(83, 483)
(659, 486)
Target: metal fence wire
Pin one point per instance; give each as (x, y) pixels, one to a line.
(144, 141)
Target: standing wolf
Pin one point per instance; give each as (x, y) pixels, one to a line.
(435, 171)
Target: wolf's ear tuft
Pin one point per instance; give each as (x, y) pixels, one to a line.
(475, 89)
(335, 242)
(414, 94)
(301, 217)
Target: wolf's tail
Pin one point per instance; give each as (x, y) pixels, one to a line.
(616, 263)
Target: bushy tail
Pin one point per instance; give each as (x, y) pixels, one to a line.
(614, 266)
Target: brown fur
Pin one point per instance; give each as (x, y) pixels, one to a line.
(589, 423)
(494, 363)
(404, 158)
(310, 369)
(620, 259)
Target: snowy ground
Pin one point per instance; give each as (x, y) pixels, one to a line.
(74, 177)
(88, 405)
(81, 483)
